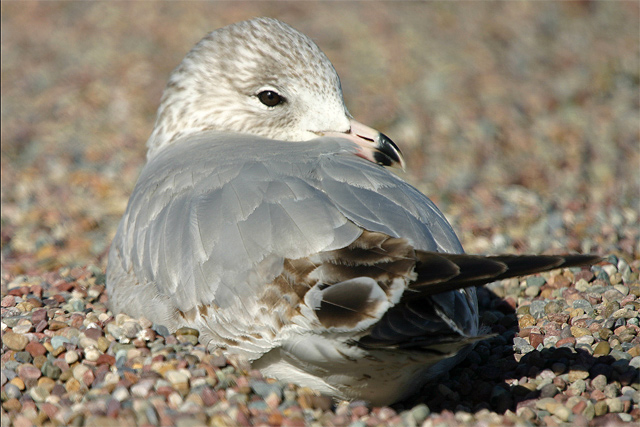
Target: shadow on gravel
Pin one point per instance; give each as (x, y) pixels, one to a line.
(482, 380)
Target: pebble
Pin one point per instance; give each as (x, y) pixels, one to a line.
(141, 389)
(58, 341)
(602, 349)
(13, 341)
(599, 382)
(133, 367)
(71, 357)
(29, 372)
(35, 349)
(12, 391)
(38, 394)
(178, 379)
(537, 309)
(521, 345)
(548, 390)
(615, 405)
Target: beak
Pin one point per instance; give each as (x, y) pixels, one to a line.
(372, 145)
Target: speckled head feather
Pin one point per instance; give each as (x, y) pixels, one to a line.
(215, 87)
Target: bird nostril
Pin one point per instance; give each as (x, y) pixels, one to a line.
(365, 138)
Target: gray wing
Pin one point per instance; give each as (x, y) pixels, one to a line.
(212, 219)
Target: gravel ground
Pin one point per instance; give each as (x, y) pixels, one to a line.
(520, 120)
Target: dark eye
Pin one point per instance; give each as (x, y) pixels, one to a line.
(270, 98)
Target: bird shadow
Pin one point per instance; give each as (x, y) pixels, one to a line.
(494, 376)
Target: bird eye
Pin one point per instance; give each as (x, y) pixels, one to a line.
(270, 98)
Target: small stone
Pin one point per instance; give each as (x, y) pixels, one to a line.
(419, 413)
(22, 357)
(615, 405)
(548, 390)
(576, 312)
(526, 321)
(85, 342)
(526, 413)
(621, 313)
(46, 383)
(273, 400)
(583, 304)
(620, 355)
(50, 370)
(93, 333)
(71, 357)
(566, 342)
(579, 332)
(532, 291)
(562, 412)
(120, 394)
(142, 388)
(599, 382)
(14, 341)
(553, 307)
(587, 340)
(29, 372)
(626, 418)
(536, 309)
(106, 359)
(130, 329)
(544, 402)
(18, 383)
(115, 331)
(58, 341)
(72, 385)
(79, 371)
(92, 354)
(12, 391)
(103, 344)
(188, 331)
(611, 390)
(589, 411)
(597, 395)
(600, 408)
(161, 330)
(602, 349)
(55, 325)
(38, 394)
(13, 405)
(536, 339)
(578, 374)
(521, 345)
(263, 388)
(178, 380)
(35, 349)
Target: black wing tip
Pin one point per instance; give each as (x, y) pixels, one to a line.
(581, 260)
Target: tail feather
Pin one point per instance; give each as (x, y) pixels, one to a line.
(474, 270)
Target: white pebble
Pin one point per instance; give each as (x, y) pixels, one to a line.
(79, 371)
(120, 394)
(92, 354)
(71, 357)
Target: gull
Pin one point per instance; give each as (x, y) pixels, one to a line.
(265, 218)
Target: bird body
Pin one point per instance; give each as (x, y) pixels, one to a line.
(265, 219)
(238, 252)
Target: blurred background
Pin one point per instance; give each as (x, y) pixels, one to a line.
(520, 120)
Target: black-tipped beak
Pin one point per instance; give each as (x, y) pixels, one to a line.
(372, 145)
(388, 153)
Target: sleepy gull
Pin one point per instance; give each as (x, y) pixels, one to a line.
(265, 218)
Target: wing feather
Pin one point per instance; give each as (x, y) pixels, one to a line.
(209, 213)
